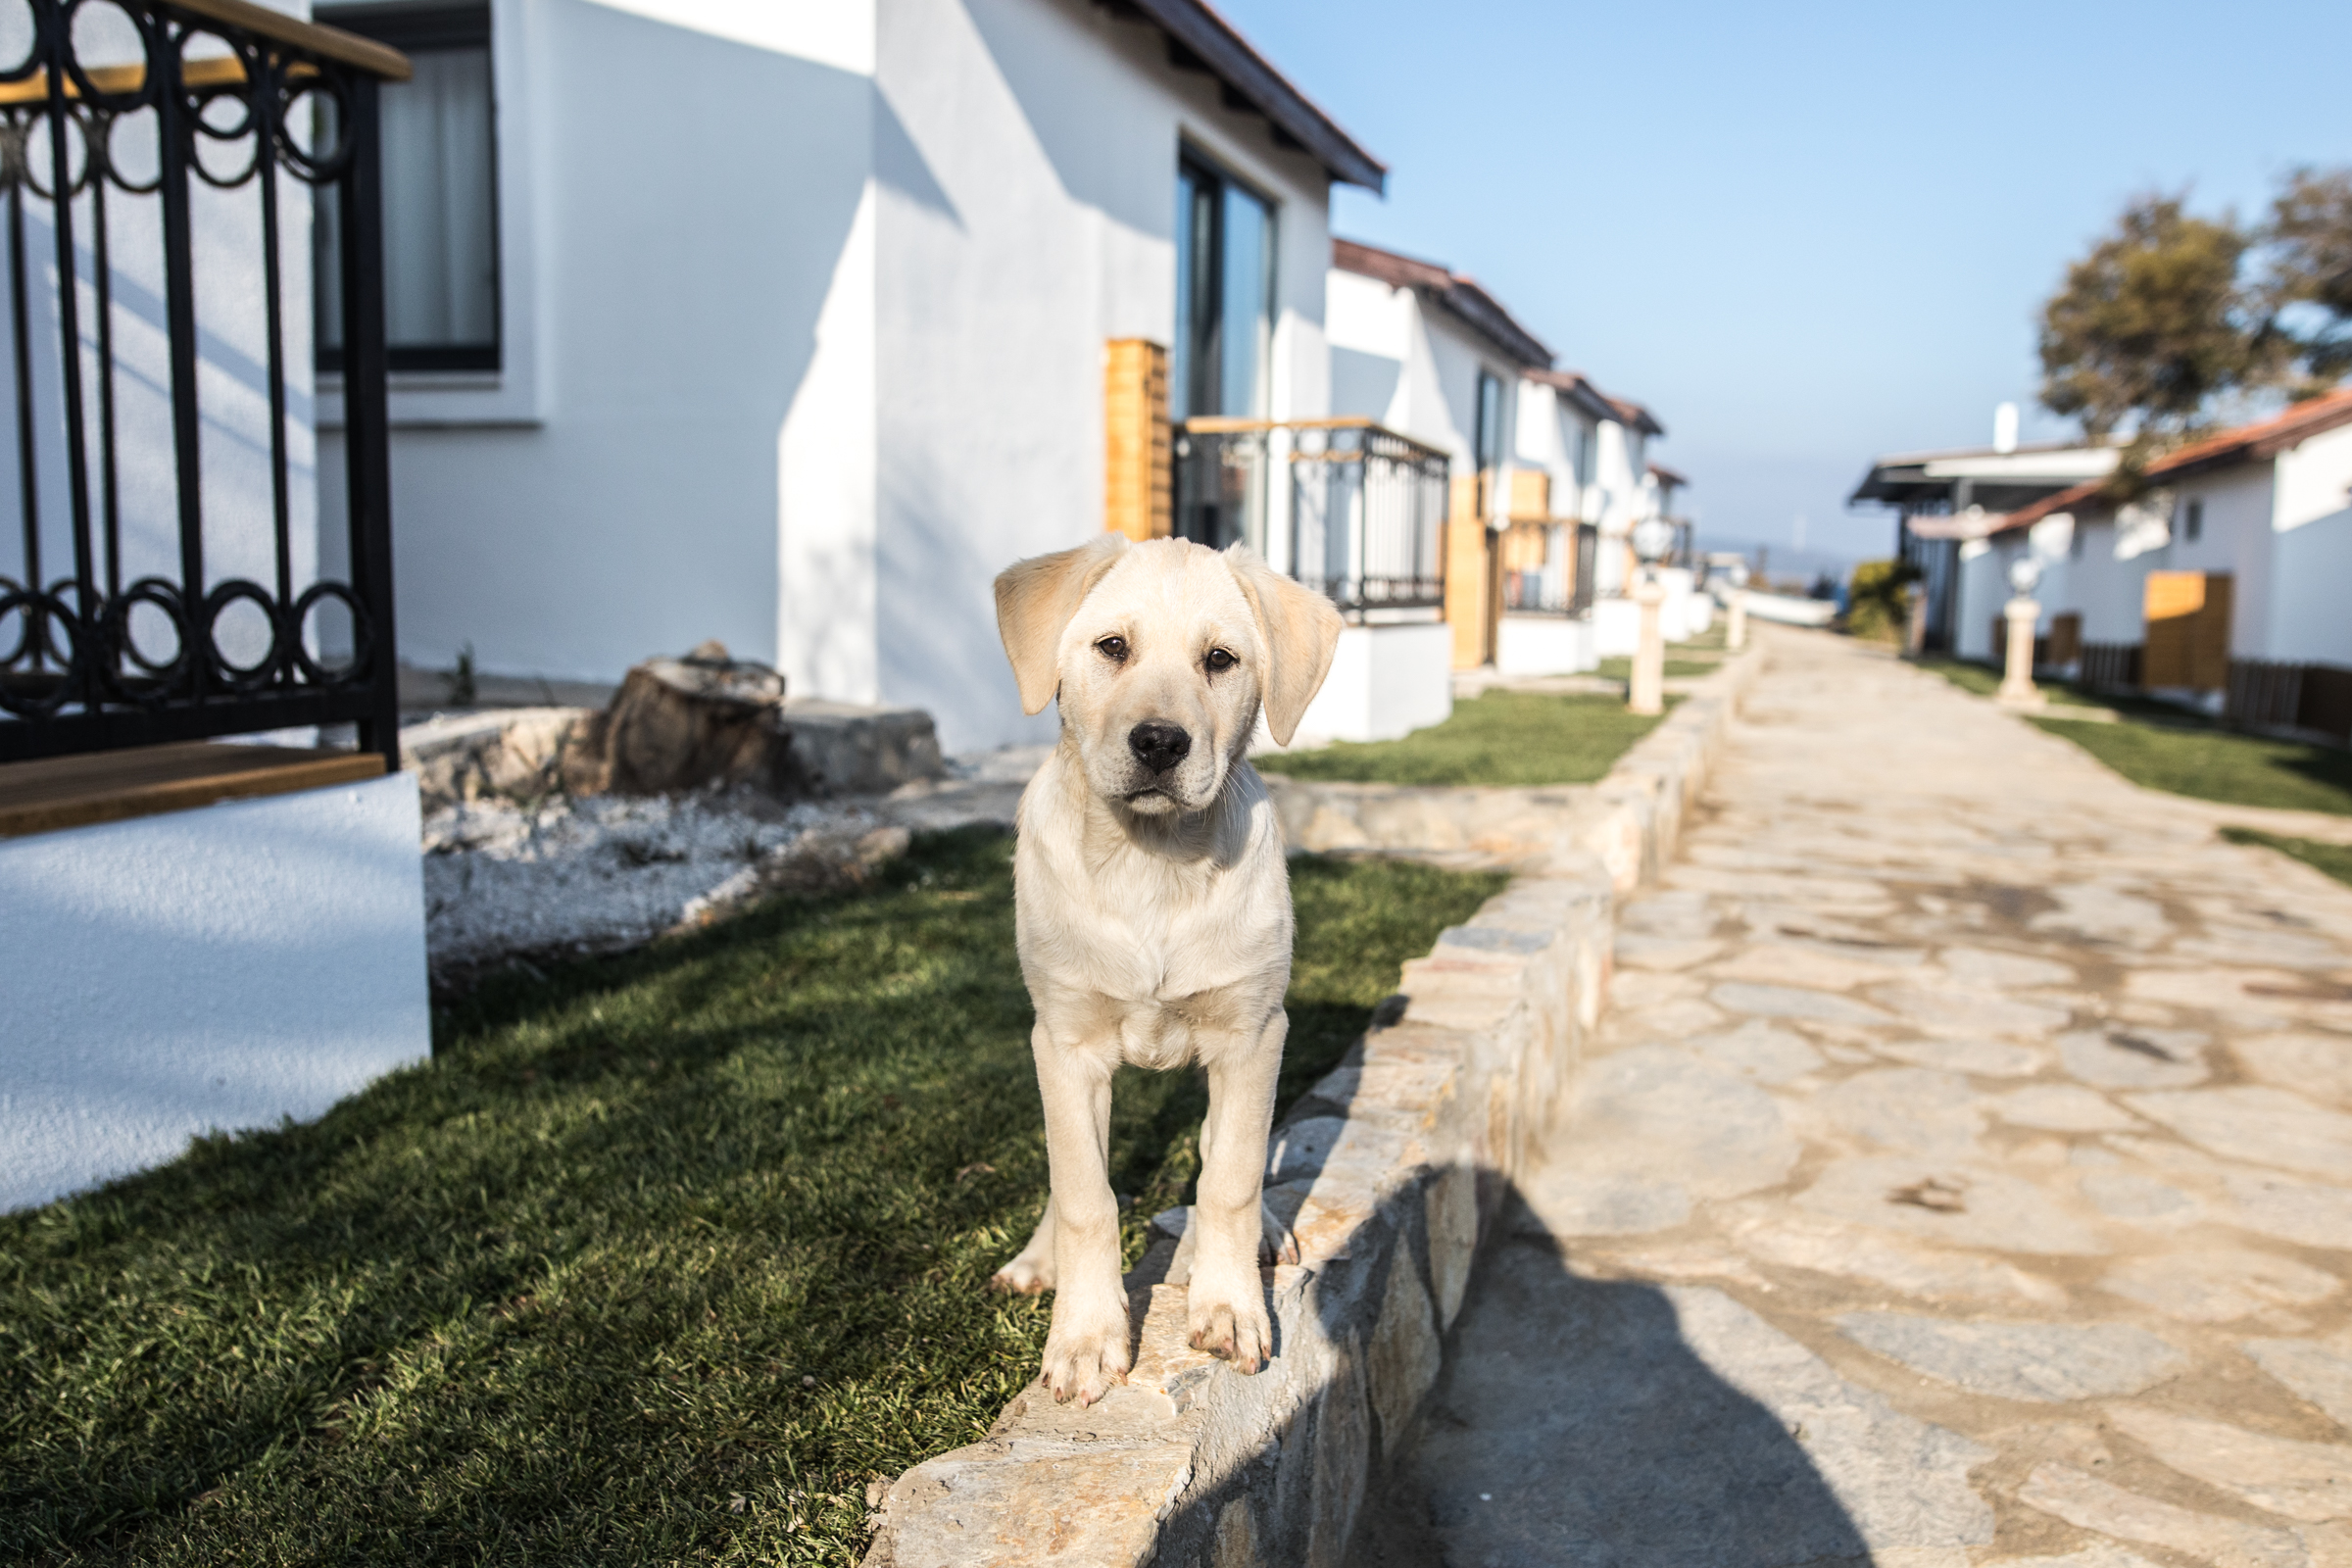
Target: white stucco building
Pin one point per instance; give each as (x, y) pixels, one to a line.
(2246, 537)
(785, 324)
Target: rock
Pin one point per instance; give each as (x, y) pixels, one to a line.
(2318, 1066)
(2319, 1371)
(2047, 1362)
(2217, 1284)
(1760, 1051)
(1596, 1421)
(2094, 1504)
(2104, 1556)
(2292, 1211)
(677, 724)
(1907, 1108)
(2307, 1481)
(2061, 1108)
(1803, 1240)
(2001, 971)
(1982, 1059)
(2127, 1194)
(2103, 915)
(1971, 1011)
(1785, 965)
(1636, 951)
(1656, 1114)
(1950, 1203)
(1570, 1204)
(2261, 1125)
(1789, 1002)
(2134, 1057)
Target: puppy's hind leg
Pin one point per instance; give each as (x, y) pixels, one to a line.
(1031, 1271)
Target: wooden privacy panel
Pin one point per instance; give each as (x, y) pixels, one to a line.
(1526, 546)
(2188, 630)
(1136, 465)
(1469, 572)
(1531, 495)
(2066, 638)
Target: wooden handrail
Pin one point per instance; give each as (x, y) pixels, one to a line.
(226, 71)
(313, 37)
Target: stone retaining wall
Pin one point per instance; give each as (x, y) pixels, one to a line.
(1391, 1171)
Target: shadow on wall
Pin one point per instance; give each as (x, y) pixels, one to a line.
(695, 196)
(1577, 1421)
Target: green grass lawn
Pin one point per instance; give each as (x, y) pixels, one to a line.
(2164, 748)
(2334, 858)
(662, 1259)
(1499, 736)
(1623, 668)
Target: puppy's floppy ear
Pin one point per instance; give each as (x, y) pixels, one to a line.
(1300, 629)
(1035, 601)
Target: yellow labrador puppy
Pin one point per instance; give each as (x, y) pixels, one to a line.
(1154, 906)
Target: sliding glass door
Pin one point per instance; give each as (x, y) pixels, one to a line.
(1221, 361)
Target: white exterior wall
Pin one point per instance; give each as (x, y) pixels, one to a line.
(1386, 681)
(814, 352)
(2310, 600)
(204, 970)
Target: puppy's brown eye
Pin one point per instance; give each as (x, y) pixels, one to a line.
(1219, 660)
(1113, 648)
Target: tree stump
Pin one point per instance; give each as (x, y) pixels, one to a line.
(700, 721)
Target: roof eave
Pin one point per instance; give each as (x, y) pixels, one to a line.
(1247, 74)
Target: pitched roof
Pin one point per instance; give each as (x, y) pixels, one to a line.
(1199, 39)
(1637, 418)
(2248, 443)
(1667, 477)
(1577, 388)
(1457, 292)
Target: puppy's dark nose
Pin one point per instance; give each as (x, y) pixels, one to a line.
(1157, 745)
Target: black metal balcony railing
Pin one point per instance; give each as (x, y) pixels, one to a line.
(1564, 584)
(164, 585)
(1366, 507)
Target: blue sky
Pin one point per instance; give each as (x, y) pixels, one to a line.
(1803, 234)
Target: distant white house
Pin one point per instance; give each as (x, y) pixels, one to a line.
(2237, 555)
(1946, 499)
(791, 324)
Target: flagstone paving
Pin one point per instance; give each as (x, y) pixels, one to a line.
(1962, 1176)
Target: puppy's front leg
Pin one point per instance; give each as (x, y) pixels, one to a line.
(1086, 1348)
(1226, 1309)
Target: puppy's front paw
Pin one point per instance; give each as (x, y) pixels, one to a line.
(1025, 1275)
(1084, 1359)
(1230, 1325)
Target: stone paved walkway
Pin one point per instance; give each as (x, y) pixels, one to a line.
(1963, 1176)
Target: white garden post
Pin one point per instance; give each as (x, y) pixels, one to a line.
(1735, 636)
(2017, 675)
(1646, 691)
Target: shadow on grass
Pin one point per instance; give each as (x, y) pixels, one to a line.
(664, 1255)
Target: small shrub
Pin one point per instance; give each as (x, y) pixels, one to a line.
(1877, 607)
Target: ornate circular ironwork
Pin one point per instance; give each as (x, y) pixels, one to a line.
(170, 674)
(90, 92)
(363, 638)
(263, 671)
(314, 168)
(43, 613)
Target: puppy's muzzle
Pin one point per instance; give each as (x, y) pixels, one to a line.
(1158, 745)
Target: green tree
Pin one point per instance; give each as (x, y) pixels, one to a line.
(2309, 245)
(1876, 605)
(2153, 326)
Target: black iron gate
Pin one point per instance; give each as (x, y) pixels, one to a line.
(130, 177)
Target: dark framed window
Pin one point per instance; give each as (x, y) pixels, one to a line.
(441, 264)
(1488, 441)
(2192, 521)
(1224, 295)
